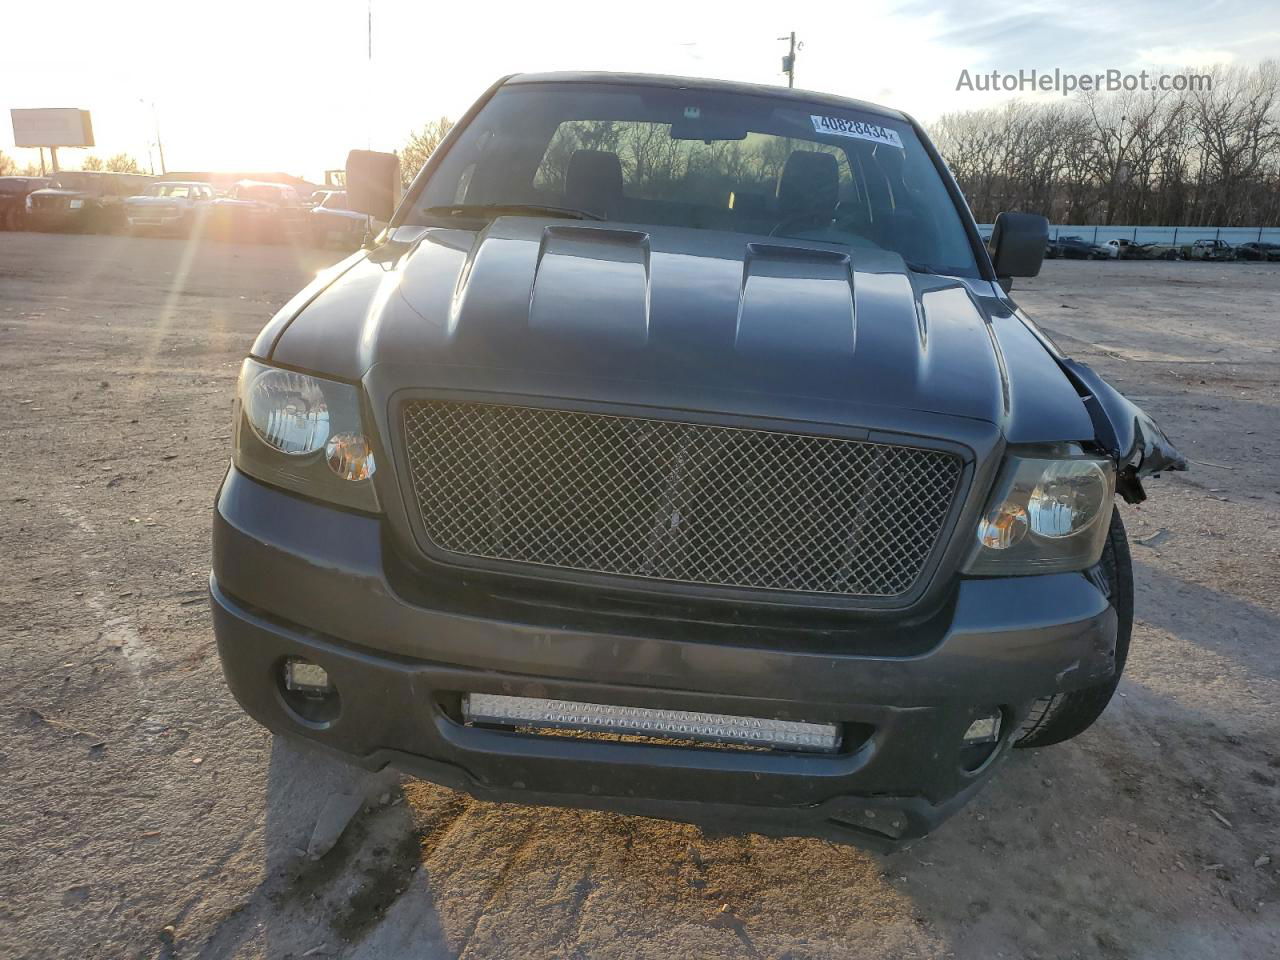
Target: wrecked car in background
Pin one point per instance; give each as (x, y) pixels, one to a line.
(729, 486)
(1207, 250)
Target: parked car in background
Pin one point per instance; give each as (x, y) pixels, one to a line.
(333, 221)
(1207, 250)
(170, 205)
(1122, 248)
(1258, 250)
(1078, 248)
(1159, 251)
(258, 211)
(13, 199)
(86, 201)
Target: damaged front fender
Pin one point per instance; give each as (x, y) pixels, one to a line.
(1124, 430)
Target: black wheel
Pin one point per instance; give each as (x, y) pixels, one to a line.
(1062, 716)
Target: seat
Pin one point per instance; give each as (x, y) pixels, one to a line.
(809, 185)
(594, 182)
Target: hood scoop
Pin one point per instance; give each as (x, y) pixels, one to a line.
(592, 283)
(774, 279)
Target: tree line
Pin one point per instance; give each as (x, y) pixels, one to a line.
(1189, 158)
(117, 163)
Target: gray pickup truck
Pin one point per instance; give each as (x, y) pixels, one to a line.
(677, 450)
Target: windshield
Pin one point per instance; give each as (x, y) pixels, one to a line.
(171, 190)
(707, 160)
(76, 181)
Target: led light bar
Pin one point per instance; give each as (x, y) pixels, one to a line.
(644, 721)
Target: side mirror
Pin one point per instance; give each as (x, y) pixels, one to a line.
(373, 183)
(1018, 242)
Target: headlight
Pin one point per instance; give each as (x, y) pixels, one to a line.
(303, 433)
(75, 204)
(1047, 515)
(288, 411)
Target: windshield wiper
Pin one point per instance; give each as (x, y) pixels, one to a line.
(491, 210)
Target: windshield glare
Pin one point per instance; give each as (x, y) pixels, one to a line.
(707, 160)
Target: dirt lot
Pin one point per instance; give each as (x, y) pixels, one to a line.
(144, 815)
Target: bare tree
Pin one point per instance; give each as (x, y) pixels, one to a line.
(1236, 124)
(122, 163)
(92, 162)
(1176, 157)
(8, 166)
(420, 145)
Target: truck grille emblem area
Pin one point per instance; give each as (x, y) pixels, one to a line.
(679, 502)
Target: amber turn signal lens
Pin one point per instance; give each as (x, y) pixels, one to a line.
(350, 456)
(1003, 527)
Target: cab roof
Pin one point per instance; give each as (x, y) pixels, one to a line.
(700, 83)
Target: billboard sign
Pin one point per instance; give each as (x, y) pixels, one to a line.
(53, 127)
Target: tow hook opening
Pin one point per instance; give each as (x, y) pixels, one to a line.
(308, 692)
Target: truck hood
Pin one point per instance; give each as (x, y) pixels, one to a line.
(681, 318)
(57, 192)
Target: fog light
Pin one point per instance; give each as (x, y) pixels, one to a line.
(984, 730)
(303, 676)
(644, 721)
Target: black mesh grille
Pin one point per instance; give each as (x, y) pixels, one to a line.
(677, 501)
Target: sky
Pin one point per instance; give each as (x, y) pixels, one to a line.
(289, 86)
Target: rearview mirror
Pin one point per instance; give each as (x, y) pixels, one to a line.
(1017, 245)
(709, 129)
(373, 183)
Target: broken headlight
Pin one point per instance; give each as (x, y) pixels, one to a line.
(1046, 515)
(305, 434)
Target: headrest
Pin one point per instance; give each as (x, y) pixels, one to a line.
(594, 182)
(810, 183)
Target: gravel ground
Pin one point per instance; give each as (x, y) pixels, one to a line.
(146, 816)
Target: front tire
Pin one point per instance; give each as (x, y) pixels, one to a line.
(1062, 716)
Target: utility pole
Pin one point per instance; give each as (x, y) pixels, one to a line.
(155, 122)
(159, 146)
(789, 61)
(368, 129)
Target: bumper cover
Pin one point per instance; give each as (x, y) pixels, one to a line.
(296, 578)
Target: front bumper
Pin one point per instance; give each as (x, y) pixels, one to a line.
(62, 218)
(295, 578)
(138, 219)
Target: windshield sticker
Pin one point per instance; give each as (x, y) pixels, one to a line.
(856, 128)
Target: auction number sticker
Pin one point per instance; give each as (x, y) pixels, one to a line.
(859, 129)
